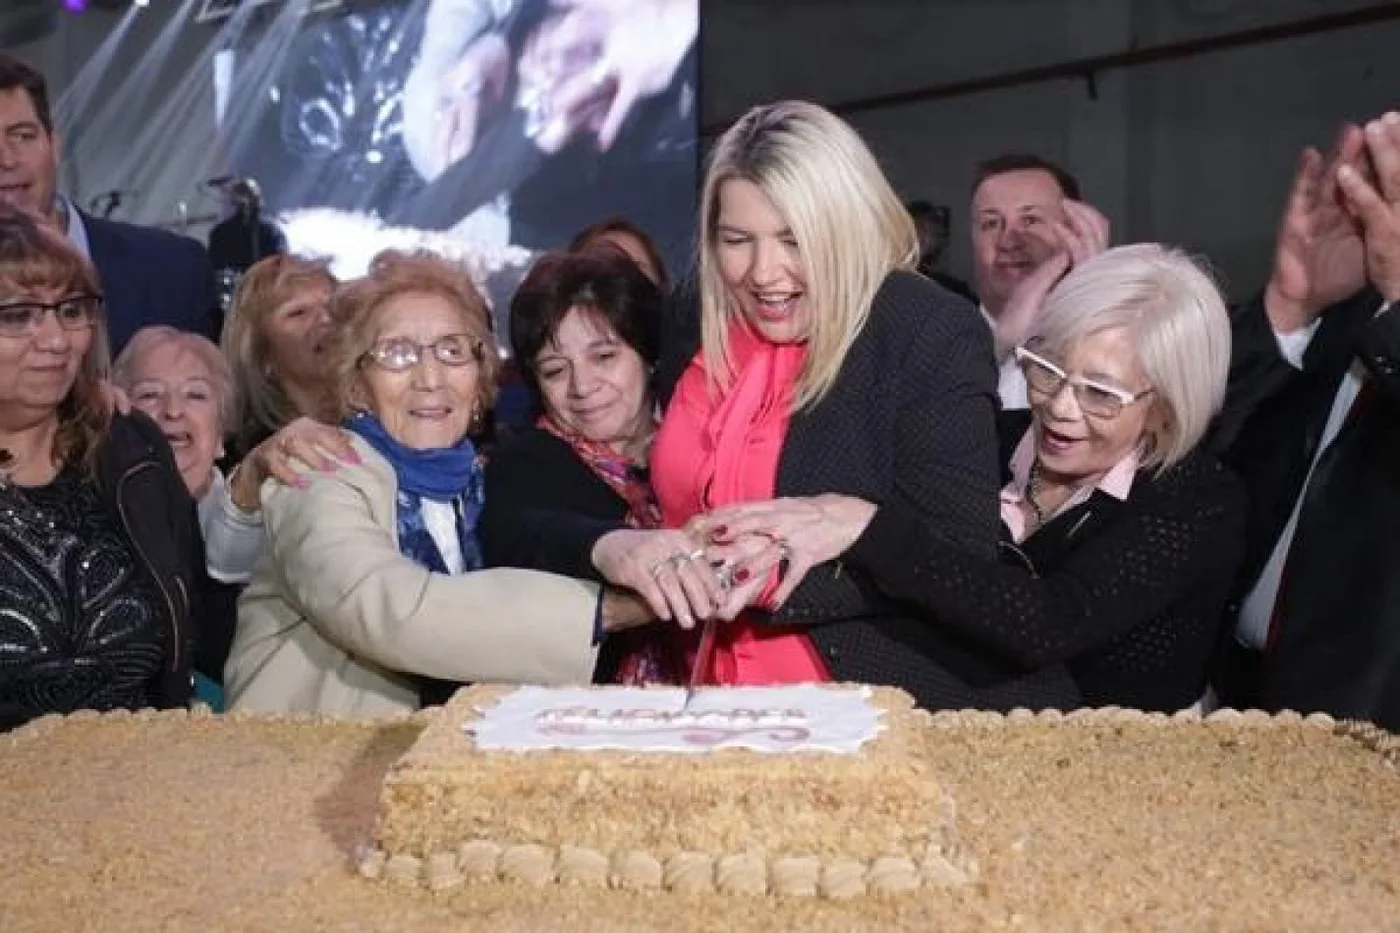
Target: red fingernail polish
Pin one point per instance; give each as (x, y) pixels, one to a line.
(741, 576)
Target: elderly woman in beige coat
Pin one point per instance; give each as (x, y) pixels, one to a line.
(370, 592)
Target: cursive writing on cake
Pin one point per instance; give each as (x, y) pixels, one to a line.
(696, 727)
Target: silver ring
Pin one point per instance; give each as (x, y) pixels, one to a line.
(696, 554)
(657, 566)
(678, 558)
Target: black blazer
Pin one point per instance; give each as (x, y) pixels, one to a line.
(150, 276)
(909, 425)
(1337, 644)
(1128, 594)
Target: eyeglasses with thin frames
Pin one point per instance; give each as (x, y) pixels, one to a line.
(74, 313)
(400, 354)
(1095, 398)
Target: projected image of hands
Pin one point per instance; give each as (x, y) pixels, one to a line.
(493, 129)
(516, 94)
(579, 70)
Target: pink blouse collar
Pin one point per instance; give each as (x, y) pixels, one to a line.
(1117, 482)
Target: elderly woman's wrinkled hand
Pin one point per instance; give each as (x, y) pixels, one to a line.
(623, 610)
(665, 568)
(795, 534)
(305, 445)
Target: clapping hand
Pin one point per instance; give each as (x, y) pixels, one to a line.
(1377, 206)
(1319, 258)
(1082, 234)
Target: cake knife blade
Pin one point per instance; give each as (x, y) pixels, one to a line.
(699, 669)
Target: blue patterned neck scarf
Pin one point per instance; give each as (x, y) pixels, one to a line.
(447, 474)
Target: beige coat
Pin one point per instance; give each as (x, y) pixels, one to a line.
(334, 612)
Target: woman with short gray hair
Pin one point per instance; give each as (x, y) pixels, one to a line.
(1120, 537)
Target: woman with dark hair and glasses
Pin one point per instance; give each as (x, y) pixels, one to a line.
(98, 542)
(1120, 537)
(371, 588)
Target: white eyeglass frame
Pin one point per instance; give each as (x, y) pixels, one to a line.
(1078, 383)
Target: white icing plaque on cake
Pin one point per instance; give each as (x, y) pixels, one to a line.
(764, 719)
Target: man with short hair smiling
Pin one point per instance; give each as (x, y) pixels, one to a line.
(148, 276)
(1025, 213)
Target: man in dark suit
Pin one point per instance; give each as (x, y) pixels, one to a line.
(1313, 426)
(1026, 214)
(148, 276)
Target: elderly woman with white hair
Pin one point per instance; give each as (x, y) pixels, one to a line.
(1120, 536)
(183, 383)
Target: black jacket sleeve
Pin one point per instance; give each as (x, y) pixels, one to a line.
(545, 510)
(1259, 373)
(1174, 532)
(1257, 370)
(1378, 346)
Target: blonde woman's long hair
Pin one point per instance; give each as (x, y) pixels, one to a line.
(851, 230)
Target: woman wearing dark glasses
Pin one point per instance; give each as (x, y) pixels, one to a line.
(371, 589)
(98, 542)
(1120, 538)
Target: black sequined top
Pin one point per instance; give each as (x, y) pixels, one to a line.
(83, 624)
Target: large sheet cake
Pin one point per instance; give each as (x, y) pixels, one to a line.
(783, 790)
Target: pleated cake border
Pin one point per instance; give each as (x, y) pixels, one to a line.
(483, 861)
